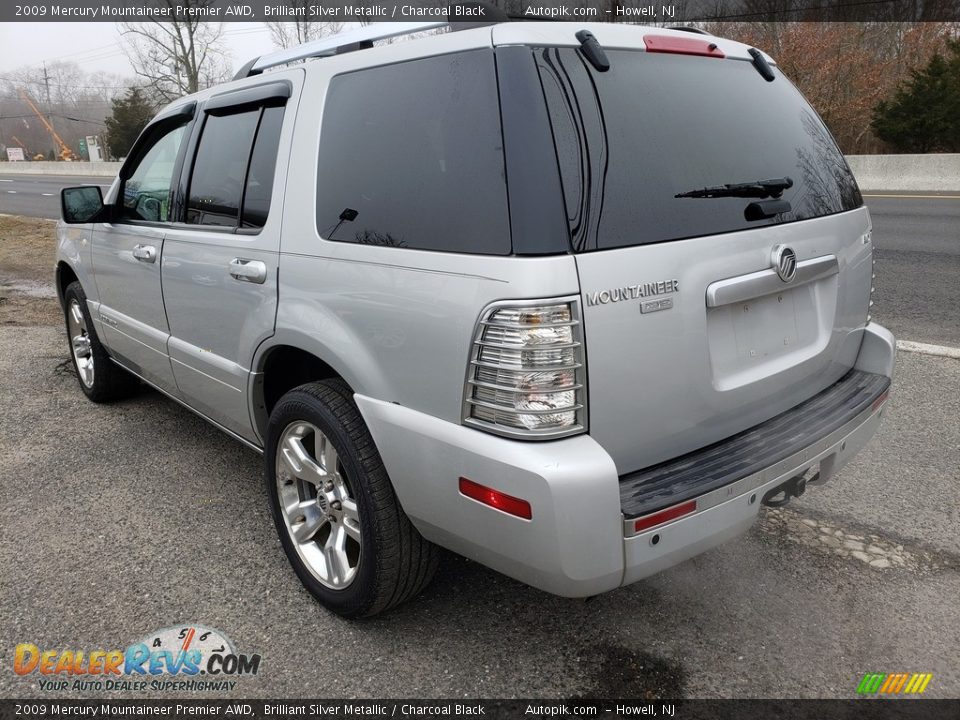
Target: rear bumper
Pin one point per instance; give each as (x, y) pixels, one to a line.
(750, 458)
(579, 541)
(729, 510)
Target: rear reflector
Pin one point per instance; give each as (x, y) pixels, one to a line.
(682, 46)
(496, 499)
(665, 516)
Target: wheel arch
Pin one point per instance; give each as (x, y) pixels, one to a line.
(64, 276)
(282, 364)
(323, 345)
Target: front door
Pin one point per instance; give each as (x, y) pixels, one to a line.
(127, 253)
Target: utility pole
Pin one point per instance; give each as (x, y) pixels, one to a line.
(46, 82)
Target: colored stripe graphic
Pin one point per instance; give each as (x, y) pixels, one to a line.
(871, 683)
(914, 683)
(901, 679)
(894, 683)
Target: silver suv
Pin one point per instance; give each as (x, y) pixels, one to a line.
(571, 300)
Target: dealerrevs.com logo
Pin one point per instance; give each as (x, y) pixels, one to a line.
(188, 657)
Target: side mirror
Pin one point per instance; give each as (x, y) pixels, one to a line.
(82, 204)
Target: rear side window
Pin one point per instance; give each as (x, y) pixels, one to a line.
(657, 125)
(263, 161)
(411, 156)
(234, 168)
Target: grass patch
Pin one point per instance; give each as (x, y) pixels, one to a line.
(27, 261)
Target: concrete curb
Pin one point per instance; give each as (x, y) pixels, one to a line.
(103, 169)
(936, 172)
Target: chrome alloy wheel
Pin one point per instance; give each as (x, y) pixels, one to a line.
(318, 508)
(80, 343)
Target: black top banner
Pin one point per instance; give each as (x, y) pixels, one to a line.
(637, 11)
(864, 709)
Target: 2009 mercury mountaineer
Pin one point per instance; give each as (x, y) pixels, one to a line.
(571, 300)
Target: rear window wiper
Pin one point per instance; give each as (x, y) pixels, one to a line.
(760, 189)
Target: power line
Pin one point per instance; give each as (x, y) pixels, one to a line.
(70, 85)
(56, 115)
(246, 31)
(96, 50)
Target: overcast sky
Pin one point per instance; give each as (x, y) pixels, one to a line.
(96, 47)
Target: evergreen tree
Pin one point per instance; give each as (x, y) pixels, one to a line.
(924, 114)
(130, 115)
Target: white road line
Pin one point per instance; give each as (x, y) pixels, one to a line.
(47, 194)
(926, 349)
(2, 180)
(11, 192)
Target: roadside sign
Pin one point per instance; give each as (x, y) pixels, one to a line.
(94, 153)
(15, 154)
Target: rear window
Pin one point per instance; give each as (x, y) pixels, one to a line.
(655, 125)
(411, 156)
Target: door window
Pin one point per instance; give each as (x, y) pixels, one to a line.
(146, 192)
(232, 175)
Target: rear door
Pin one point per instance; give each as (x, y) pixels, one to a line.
(220, 262)
(691, 333)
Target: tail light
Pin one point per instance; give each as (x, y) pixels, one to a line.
(526, 377)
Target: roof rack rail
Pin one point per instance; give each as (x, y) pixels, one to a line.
(689, 29)
(363, 37)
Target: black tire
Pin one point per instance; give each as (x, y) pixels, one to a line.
(109, 380)
(395, 562)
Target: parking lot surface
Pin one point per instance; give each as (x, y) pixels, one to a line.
(122, 519)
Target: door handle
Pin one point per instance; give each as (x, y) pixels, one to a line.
(245, 270)
(145, 253)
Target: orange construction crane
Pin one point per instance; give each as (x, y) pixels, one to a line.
(65, 152)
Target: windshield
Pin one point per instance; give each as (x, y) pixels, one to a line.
(633, 142)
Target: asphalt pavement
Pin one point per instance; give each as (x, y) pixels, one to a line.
(39, 195)
(125, 518)
(917, 249)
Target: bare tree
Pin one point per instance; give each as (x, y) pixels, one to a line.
(181, 56)
(290, 34)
